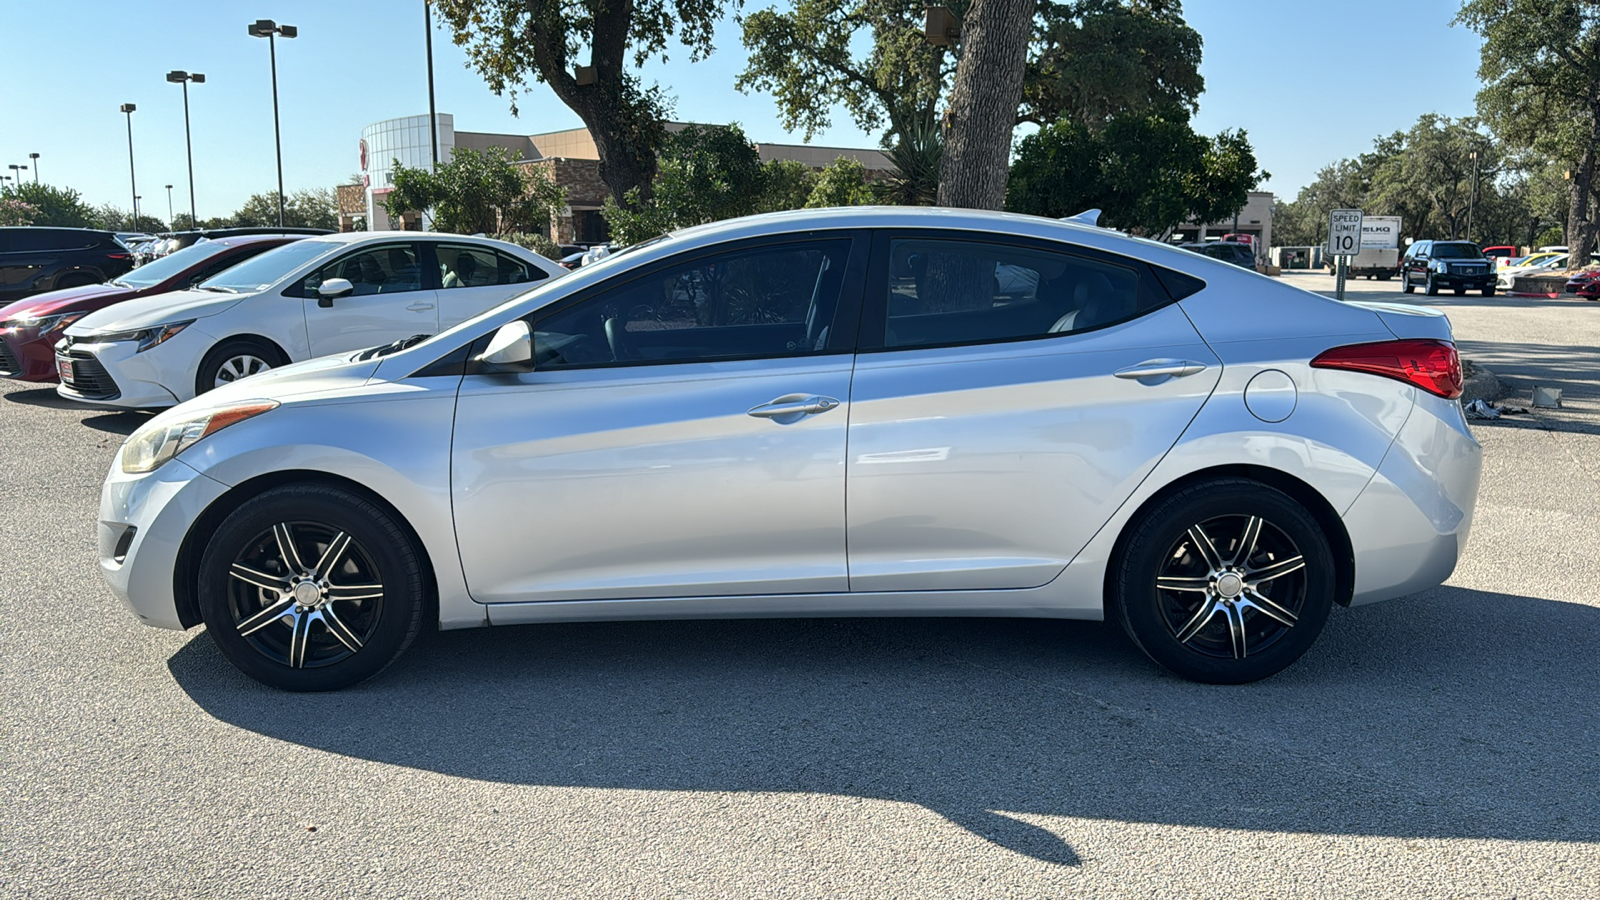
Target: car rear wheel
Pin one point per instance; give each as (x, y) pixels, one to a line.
(311, 588)
(232, 360)
(1225, 582)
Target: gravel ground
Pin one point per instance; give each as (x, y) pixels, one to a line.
(1440, 745)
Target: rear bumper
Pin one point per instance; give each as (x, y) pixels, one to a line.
(1410, 525)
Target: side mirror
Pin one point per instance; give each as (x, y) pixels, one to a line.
(510, 350)
(333, 289)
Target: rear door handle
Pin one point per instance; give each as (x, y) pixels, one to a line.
(1152, 371)
(793, 405)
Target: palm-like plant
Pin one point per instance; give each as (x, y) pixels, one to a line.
(915, 157)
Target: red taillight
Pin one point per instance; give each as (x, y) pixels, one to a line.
(1431, 365)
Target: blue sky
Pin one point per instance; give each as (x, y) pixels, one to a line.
(1308, 85)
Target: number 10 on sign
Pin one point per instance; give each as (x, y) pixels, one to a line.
(1344, 239)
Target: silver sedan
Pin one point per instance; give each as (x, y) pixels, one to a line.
(827, 412)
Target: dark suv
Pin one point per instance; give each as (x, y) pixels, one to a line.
(1458, 265)
(47, 259)
(1227, 251)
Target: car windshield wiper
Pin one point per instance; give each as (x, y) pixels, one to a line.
(394, 347)
(120, 284)
(218, 288)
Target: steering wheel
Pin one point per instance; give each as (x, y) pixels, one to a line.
(615, 339)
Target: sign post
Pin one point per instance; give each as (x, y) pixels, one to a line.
(1344, 240)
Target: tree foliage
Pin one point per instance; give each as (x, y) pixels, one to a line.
(307, 208)
(1540, 67)
(915, 159)
(511, 41)
(478, 192)
(842, 183)
(1148, 174)
(50, 205)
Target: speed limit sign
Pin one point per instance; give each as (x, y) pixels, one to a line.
(1344, 232)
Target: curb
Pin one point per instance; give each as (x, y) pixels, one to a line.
(1481, 385)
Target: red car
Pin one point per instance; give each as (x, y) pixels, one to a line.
(30, 327)
(1585, 284)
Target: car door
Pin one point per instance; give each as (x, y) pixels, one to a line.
(474, 278)
(682, 433)
(390, 299)
(1008, 397)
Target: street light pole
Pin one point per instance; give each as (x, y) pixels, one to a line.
(433, 112)
(178, 76)
(270, 30)
(133, 183)
(169, 206)
(1473, 196)
(35, 158)
(16, 172)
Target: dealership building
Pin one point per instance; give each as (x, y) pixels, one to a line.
(568, 156)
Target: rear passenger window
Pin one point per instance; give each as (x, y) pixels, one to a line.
(943, 292)
(461, 266)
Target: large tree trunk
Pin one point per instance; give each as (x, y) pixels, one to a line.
(983, 103)
(1581, 225)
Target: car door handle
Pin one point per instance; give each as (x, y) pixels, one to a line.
(419, 307)
(1161, 368)
(793, 405)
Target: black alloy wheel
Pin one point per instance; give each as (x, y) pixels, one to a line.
(310, 587)
(1225, 582)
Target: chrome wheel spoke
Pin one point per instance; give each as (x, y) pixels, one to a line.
(1269, 608)
(258, 578)
(1247, 541)
(286, 547)
(1200, 619)
(1198, 584)
(330, 557)
(1278, 569)
(339, 629)
(354, 591)
(298, 641)
(266, 616)
(1235, 616)
(1204, 546)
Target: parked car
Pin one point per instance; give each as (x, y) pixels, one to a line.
(1498, 255)
(1537, 264)
(1585, 284)
(1211, 458)
(1228, 251)
(30, 328)
(1458, 265)
(313, 297)
(194, 236)
(34, 260)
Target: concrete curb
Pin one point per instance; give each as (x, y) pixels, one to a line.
(1481, 385)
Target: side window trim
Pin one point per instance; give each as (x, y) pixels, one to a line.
(875, 291)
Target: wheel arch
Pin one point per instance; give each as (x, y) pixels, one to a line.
(1301, 492)
(186, 571)
(254, 338)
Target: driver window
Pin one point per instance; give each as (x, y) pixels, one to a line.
(381, 270)
(760, 302)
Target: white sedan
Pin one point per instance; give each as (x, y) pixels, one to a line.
(324, 295)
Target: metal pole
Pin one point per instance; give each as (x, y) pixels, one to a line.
(277, 137)
(169, 206)
(433, 112)
(1339, 288)
(133, 183)
(1473, 195)
(188, 145)
(35, 158)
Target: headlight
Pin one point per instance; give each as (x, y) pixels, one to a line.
(1439, 266)
(152, 446)
(147, 337)
(44, 325)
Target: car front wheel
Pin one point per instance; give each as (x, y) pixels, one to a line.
(1405, 283)
(232, 360)
(1225, 582)
(311, 588)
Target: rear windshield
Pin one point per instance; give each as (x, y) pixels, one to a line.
(1457, 251)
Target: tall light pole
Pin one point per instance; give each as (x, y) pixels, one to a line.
(177, 76)
(35, 158)
(16, 172)
(433, 112)
(169, 206)
(1473, 196)
(133, 183)
(270, 30)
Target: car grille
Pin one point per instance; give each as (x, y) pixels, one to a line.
(1469, 270)
(8, 361)
(86, 375)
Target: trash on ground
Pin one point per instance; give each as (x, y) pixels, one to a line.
(1481, 409)
(1547, 398)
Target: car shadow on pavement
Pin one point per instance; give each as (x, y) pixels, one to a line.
(1451, 714)
(123, 423)
(45, 397)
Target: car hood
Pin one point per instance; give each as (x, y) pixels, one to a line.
(73, 299)
(313, 376)
(156, 309)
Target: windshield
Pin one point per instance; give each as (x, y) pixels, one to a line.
(258, 272)
(1457, 251)
(156, 271)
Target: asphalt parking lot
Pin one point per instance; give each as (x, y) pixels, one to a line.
(1442, 744)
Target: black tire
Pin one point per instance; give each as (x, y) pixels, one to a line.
(1432, 289)
(1275, 622)
(1405, 283)
(369, 602)
(233, 356)
(1489, 291)
(1385, 276)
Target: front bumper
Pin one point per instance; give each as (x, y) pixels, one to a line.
(1410, 525)
(1467, 282)
(143, 522)
(123, 378)
(26, 358)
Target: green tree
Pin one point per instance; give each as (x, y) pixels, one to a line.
(16, 212)
(706, 173)
(1540, 67)
(789, 185)
(1430, 180)
(842, 183)
(478, 192)
(1098, 59)
(1148, 174)
(53, 206)
(509, 41)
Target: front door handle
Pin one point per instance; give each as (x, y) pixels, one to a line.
(793, 405)
(420, 307)
(1154, 371)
